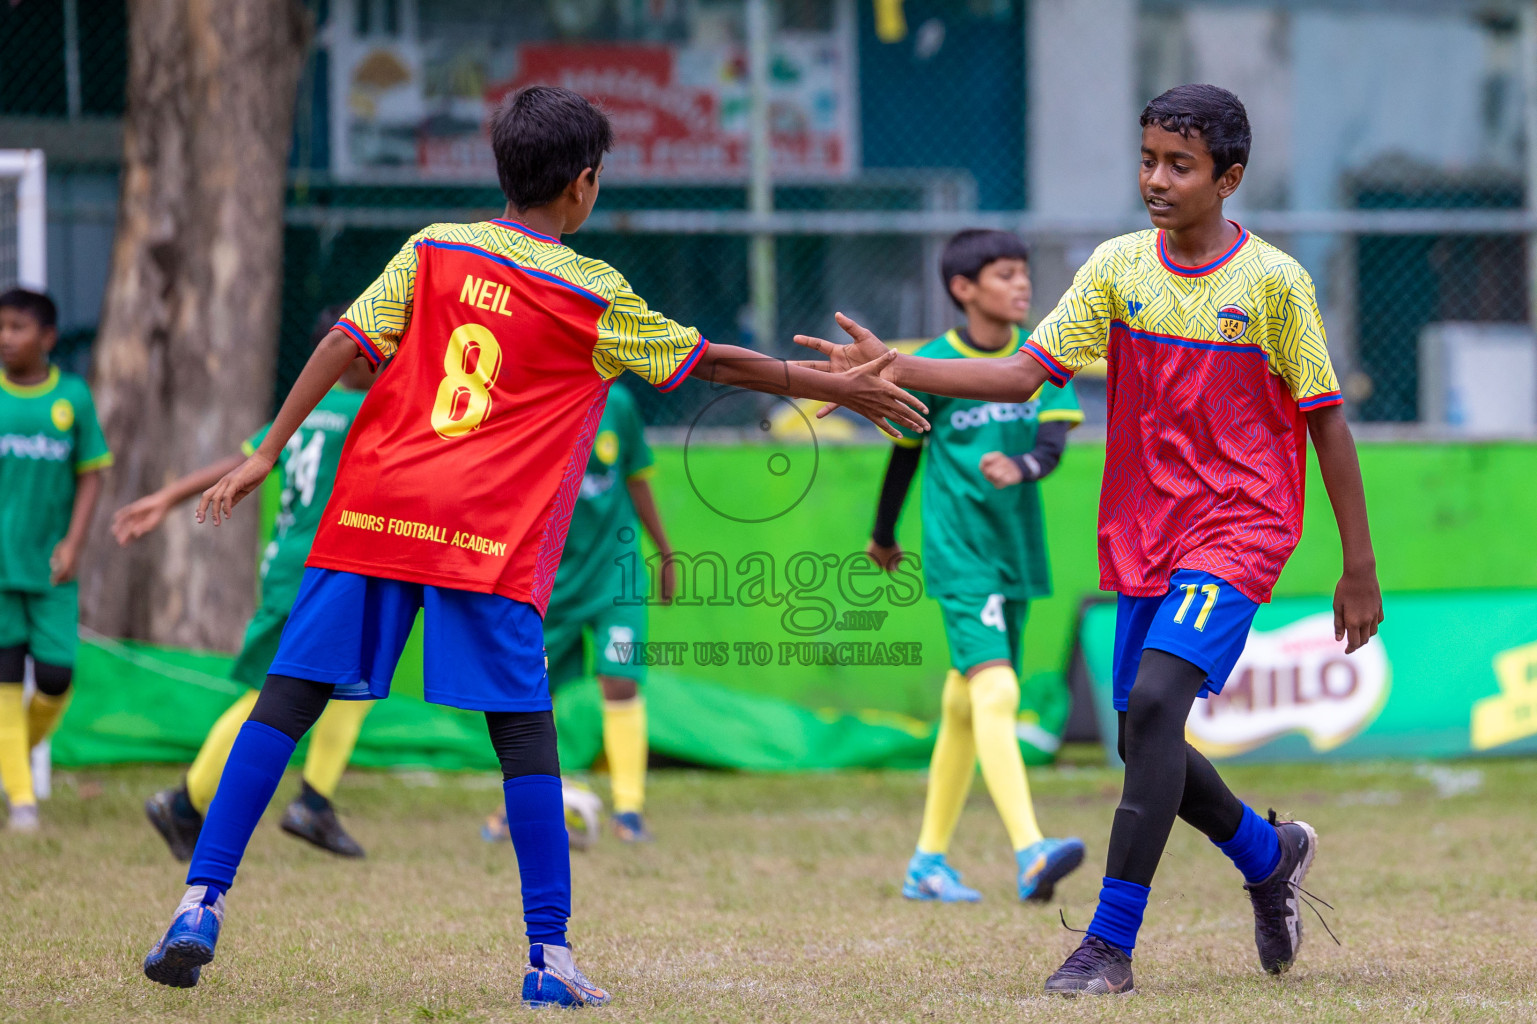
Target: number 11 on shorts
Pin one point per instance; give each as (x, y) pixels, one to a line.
(1210, 590)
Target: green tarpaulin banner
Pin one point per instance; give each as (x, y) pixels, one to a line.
(1450, 675)
(137, 702)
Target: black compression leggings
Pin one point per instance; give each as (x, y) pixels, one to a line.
(524, 740)
(1165, 775)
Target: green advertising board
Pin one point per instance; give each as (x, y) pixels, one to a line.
(1451, 674)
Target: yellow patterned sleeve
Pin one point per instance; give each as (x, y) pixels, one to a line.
(1296, 345)
(1077, 331)
(634, 337)
(378, 319)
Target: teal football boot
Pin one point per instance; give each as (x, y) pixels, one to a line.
(930, 877)
(1045, 863)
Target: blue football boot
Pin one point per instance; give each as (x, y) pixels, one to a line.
(178, 958)
(1045, 863)
(553, 979)
(930, 877)
(630, 827)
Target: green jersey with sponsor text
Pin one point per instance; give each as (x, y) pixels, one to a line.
(603, 522)
(308, 465)
(978, 539)
(48, 437)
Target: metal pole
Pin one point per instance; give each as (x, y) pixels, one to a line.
(72, 58)
(1529, 90)
(760, 189)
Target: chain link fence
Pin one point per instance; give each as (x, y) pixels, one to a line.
(887, 125)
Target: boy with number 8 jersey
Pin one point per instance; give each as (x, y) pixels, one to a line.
(984, 559)
(1218, 376)
(453, 497)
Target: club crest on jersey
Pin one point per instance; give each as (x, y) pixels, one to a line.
(1232, 321)
(606, 447)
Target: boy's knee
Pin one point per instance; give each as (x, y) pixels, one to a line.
(618, 688)
(524, 742)
(995, 691)
(13, 662)
(53, 680)
(955, 703)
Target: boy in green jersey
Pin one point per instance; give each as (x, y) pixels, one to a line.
(309, 468)
(51, 456)
(984, 558)
(589, 602)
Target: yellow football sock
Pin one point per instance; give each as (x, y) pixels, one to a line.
(994, 708)
(15, 762)
(331, 743)
(43, 715)
(950, 769)
(624, 743)
(203, 776)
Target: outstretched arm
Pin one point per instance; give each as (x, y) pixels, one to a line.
(142, 517)
(1358, 598)
(326, 366)
(859, 387)
(1014, 378)
(650, 518)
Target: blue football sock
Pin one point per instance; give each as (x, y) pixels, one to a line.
(1255, 848)
(251, 776)
(1118, 917)
(536, 820)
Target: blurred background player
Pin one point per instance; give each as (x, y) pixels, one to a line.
(1220, 374)
(585, 606)
(453, 498)
(52, 454)
(308, 463)
(984, 559)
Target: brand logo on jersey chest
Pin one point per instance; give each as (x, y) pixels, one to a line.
(1232, 321)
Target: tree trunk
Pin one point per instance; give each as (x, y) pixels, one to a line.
(185, 355)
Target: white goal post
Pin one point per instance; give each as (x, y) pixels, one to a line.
(24, 262)
(23, 219)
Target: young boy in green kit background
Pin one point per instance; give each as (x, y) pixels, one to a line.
(984, 559)
(51, 456)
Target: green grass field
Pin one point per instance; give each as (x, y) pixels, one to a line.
(776, 899)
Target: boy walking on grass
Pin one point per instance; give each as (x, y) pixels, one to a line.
(984, 558)
(453, 497)
(52, 455)
(1218, 375)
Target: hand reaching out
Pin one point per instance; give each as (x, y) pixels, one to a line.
(139, 518)
(223, 496)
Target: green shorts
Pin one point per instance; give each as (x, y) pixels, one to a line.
(982, 628)
(46, 623)
(611, 627)
(260, 646)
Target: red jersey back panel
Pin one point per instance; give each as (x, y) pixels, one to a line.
(463, 464)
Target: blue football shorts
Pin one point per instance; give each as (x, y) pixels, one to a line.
(1203, 619)
(481, 652)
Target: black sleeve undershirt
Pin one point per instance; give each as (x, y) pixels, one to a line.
(899, 477)
(1050, 441)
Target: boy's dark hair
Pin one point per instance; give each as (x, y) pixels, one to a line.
(543, 136)
(35, 304)
(325, 323)
(1211, 111)
(971, 250)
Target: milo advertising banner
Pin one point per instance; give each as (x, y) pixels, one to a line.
(1450, 675)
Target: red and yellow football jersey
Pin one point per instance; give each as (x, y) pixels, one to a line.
(463, 464)
(1210, 371)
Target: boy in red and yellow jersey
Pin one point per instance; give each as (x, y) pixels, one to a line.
(1218, 375)
(453, 497)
